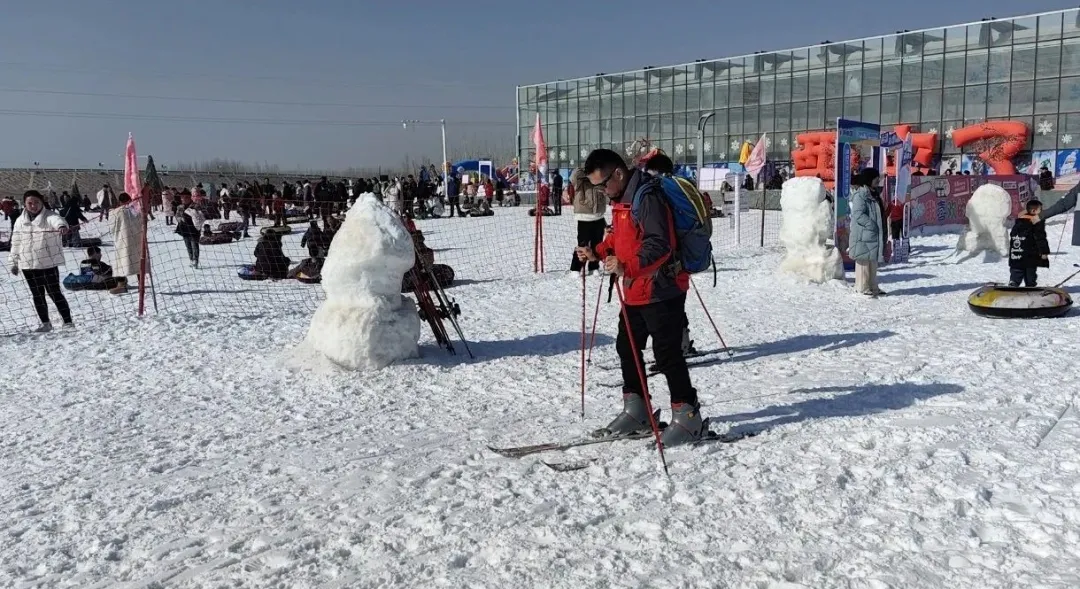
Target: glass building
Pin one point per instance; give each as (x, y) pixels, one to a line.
(1018, 69)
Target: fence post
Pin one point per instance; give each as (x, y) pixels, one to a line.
(761, 236)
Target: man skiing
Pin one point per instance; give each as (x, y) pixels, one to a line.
(642, 249)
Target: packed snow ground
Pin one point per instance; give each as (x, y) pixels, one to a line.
(906, 443)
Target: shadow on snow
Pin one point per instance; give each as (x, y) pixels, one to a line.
(794, 345)
(933, 290)
(889, 277)
(543, 345)
(859, 400)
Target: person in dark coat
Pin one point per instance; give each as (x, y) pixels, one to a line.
(1046, 178)
(71, 211)
(557, 192)
(270, 258)
(1029, 249)
(315, 241)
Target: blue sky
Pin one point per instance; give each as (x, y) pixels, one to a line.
(361, 67)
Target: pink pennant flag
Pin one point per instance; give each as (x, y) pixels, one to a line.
(757, 158)
(541, 149)
(132, 185)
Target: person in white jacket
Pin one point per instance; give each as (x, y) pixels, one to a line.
(37, 251)
(392, 196)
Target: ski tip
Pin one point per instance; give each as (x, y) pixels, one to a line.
(569, 466)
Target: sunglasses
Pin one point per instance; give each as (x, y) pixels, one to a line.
(603, 183)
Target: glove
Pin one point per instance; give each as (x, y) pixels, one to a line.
(15, 270)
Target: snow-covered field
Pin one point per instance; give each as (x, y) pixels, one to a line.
(905, 443)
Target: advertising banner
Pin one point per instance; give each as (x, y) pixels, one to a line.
(848, 133)
(942, 200)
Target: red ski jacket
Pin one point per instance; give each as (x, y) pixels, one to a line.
(645, 247)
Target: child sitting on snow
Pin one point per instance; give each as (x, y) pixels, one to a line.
(1029, 249)
(100, 271)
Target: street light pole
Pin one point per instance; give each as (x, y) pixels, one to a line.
(702, 121)
(446, 162)
(442, 124)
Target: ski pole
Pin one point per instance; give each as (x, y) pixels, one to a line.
(706, 309)
(583, 266)
(596, 315)
(1069, 277)
(641, 376)
(1062, 238)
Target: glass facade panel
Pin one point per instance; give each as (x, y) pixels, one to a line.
(1022, 69)
(1048, 60)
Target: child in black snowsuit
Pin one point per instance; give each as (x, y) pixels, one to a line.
(101, 271)
(1029, 249)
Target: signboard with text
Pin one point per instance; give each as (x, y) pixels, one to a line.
(942, 200)
(848, 134)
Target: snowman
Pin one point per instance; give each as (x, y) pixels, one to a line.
(365, 322)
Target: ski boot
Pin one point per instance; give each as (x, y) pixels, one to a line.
(686, 426)
(634, 418)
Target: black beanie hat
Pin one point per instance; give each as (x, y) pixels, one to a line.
(865, 177)
(33, 193)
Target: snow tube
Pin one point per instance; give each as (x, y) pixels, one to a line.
(86, 242)
(283, 230)
(487, 213)
(443, 274)
(215, 239)
(548, 212)
(230, 227)
(84, 282)
(1019, 302)
(249, 273)
(307, 271)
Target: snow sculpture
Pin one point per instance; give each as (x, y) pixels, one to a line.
(365, 322)
(804, 228)
(987, 212)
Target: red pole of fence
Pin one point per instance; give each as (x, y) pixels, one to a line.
(536, 240)
(541, 243)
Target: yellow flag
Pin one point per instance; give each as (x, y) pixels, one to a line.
(744, 153)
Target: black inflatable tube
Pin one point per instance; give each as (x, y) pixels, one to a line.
(1004, 313)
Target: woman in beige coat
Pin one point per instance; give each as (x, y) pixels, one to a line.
(127, 229)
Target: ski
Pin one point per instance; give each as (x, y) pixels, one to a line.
(652, 365)
(729, 438)
(651, 373)
(690, 356)
(569, 466)
(522, 451)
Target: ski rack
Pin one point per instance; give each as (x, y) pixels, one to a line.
(434, 305)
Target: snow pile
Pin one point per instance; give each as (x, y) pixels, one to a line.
(365, 322)
(804, 228)
(987, 211)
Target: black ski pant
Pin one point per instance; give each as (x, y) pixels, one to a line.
(896, 227)
(47, 281)
(589, 234)
(191, 242)
(663, 321)
(1027, 276)
(455, 205)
